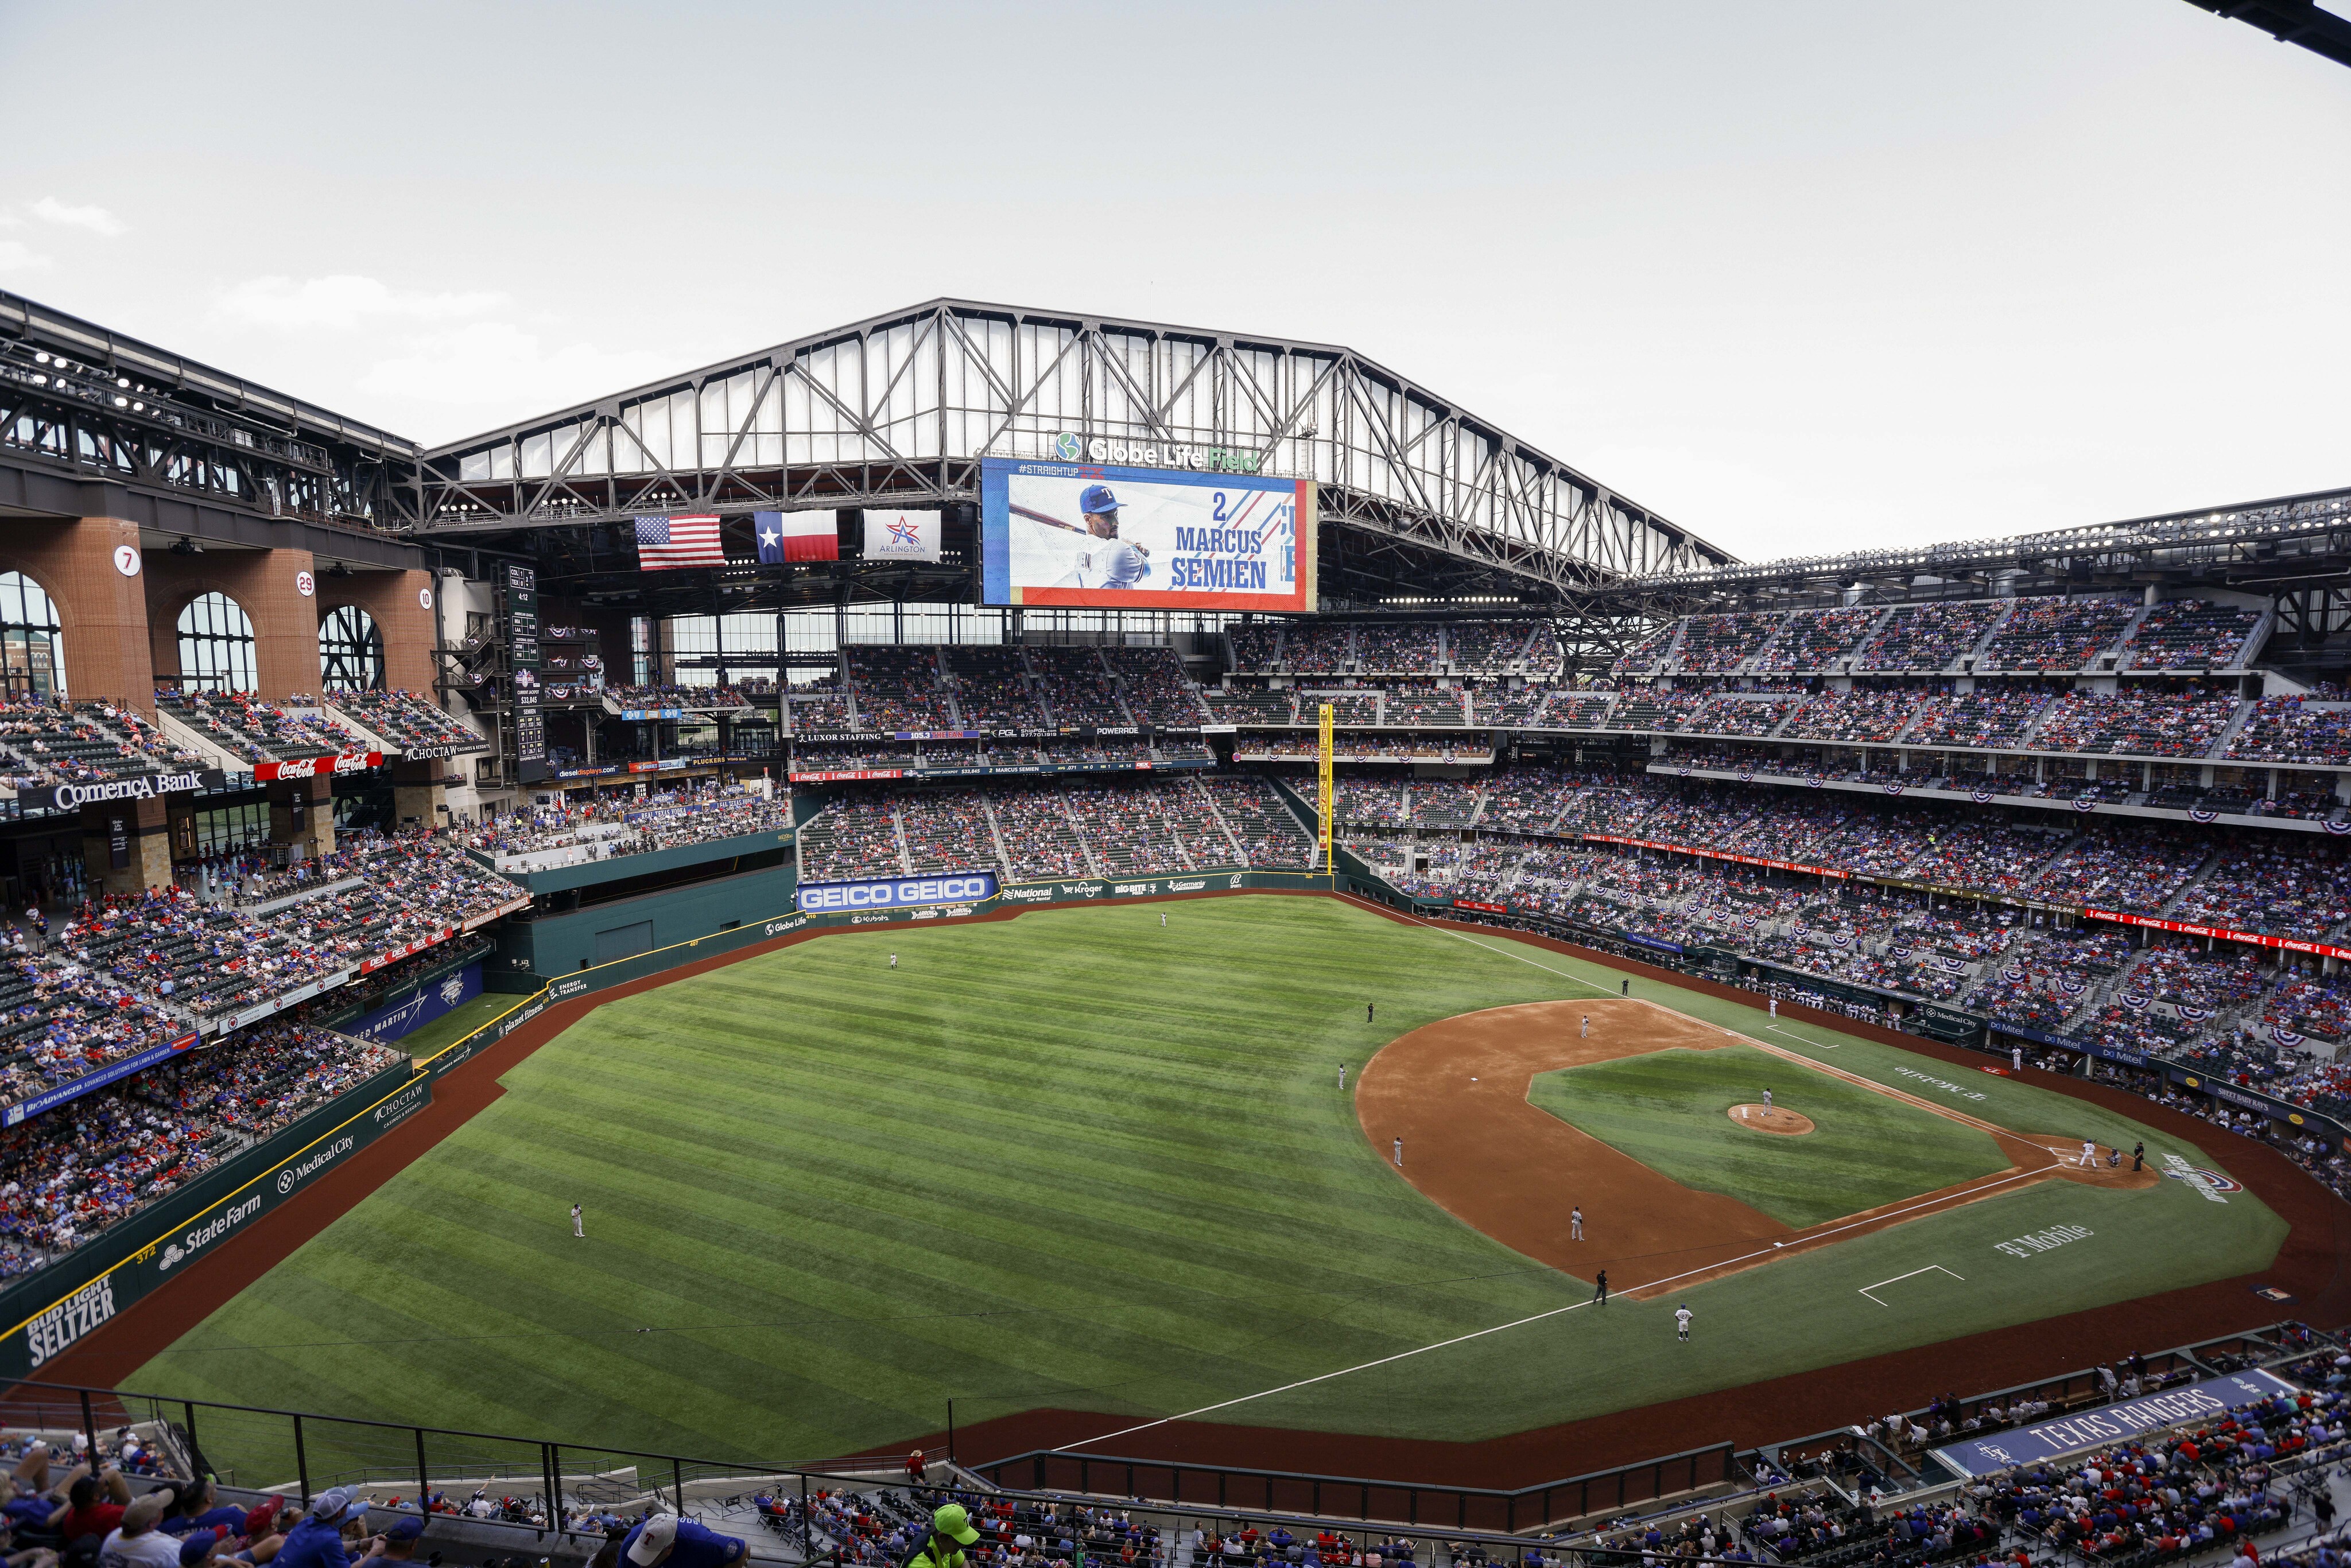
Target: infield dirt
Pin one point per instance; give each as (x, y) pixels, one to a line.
(1455, 1092)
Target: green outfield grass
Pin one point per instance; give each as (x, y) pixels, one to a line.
(1669, 1111)
(457, 1023)
(1073, 1160)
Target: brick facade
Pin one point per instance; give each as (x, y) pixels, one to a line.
(101, 613)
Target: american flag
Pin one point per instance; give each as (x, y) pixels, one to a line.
(665, 542)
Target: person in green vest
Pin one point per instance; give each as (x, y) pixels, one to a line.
(951, 1531)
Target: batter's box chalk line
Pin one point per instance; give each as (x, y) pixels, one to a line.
(1929, 1269)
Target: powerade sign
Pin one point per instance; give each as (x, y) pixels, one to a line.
(905, 893)
(2114, 1422)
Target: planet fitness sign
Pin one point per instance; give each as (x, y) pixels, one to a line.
(905, 893)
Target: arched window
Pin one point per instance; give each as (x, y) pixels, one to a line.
(32, 649)
(216, 646)
(351, 651)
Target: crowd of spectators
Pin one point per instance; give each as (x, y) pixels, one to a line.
(1078, 686)
(66, 1175)
(1158, 691)
(57, 742)
(2056, 634)
(2294, 729)
(2190, 635)
(2137, 719)
(1397, 648)
(711, 697)
(606, 826)
(1486, 647)
(1718, 644)
(253, 730)
(408, 721)
(992, 689)
(1858, 715)
(1928, 637)
(1992, 716)
(897, 687)
(1811, 640)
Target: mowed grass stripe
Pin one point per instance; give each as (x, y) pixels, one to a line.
(1072, 1159)
(1670, 1110)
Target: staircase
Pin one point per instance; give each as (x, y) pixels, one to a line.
(1209, 798)
(898, 835)
(1078, 832)
(995, 836)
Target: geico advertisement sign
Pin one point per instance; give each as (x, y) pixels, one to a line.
(909, 892)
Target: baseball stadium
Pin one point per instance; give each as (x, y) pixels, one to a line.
(1085, 942)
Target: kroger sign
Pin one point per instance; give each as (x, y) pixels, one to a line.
(907, 892)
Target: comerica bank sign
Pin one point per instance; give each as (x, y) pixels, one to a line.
(1071, 448)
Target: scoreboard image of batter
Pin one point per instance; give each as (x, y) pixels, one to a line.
(1147, 538)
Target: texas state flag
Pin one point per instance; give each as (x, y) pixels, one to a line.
(795, 535)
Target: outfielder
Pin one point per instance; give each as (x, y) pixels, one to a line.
(1343, 1078)
(1681, 1321)
(577, 1227)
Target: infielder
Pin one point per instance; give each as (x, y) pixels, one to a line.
(1587, 1028)
(1681, 1321)
(1767, 1101)
(1576, 1223)
(577, 1227)
(1399, 1153)
(2089, 1154)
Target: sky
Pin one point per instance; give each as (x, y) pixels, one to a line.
(1800, 276)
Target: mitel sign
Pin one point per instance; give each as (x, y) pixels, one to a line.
(144, 787)
(905, 893)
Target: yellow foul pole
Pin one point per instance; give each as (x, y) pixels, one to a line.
(1322, 796)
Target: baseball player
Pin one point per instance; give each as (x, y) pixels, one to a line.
(1343, 1078)
(1576, 1223)
(894, 960)
(1399, 1153)
(1681, 1321)
(1767, 1101)
(1163, 920)
(2089, 1160)
(1587, 1028)
(2016, 1059)
(1775, 1007)
(1113, 563)
(578, 1229)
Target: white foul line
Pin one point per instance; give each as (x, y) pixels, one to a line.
(1912, 1274)
(1815, 1044)
(1521, 1323)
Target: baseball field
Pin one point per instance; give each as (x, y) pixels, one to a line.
(1081, 1161)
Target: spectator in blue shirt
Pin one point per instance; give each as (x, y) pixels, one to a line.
(323, 1537)
(665, 1541)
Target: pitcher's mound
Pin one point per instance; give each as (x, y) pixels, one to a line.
(1776, 1119)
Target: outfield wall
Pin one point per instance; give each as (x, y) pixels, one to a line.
(47, 1311)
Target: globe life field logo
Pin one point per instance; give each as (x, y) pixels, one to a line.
(1068, 447)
